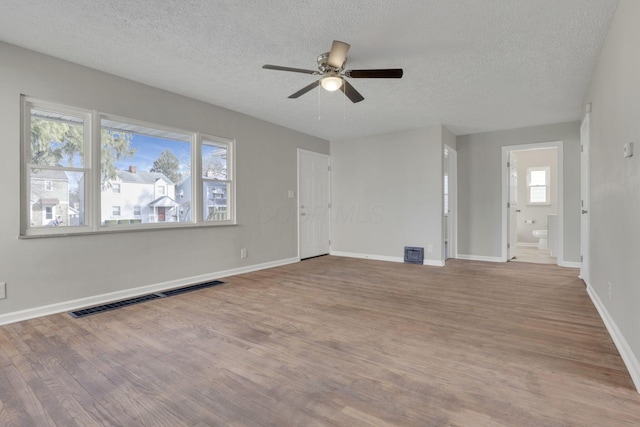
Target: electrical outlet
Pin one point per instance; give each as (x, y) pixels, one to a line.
(291, 194)
(243, 253)
(3, 290)
(430, 249)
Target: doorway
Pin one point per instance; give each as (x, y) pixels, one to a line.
(314, 208)
(450, 221)
(584, 195)
(532, 214)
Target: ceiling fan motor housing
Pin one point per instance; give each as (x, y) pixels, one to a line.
(324, 67)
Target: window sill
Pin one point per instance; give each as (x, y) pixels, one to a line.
(119, 230)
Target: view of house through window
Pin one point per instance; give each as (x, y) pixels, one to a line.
(145, 176)
(141, 168)
(215, 179)
(55, 161)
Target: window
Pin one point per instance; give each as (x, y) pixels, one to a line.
(146, 178)
(55, 144)
(150, 162)
(216, 179)
(538, 186)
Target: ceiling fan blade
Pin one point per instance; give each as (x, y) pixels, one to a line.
(384, 73)
(295, 70)
(351, 92)
(305, 89)
(338, 54)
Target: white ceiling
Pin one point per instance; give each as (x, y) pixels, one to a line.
(472, 65)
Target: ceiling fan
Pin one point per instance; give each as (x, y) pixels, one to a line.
(331, 67)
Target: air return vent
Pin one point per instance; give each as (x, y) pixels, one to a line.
(413, 255)
(131, 301)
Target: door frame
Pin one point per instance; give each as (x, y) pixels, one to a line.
(297, 198)
(585, 221)
(452, 223)
(505, 193)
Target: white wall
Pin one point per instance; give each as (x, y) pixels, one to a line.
(614, 94)
(45, 271)
(547, 157)
(480, 192)
(387, 193)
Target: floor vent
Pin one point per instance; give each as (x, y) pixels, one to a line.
(112, 306)
(137, 300)
(190, 288)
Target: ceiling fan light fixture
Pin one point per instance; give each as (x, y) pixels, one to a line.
(331, 82)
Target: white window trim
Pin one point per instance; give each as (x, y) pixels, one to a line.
(231, 192)
(547, 171)
(92, 142)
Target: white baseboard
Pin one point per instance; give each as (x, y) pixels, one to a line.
(480, 258)
(61, 307)
(570, 264)
(630, 360)
(368, 256)
(430, 262)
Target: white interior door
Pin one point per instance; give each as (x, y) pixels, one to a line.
(512, 247)
(314, 212)
(584, 193)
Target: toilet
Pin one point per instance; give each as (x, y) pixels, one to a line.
(541, 235)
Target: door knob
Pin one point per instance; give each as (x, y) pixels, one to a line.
(584, 212)
(302, 214)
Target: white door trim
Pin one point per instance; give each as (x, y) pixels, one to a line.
(297, 198)
(452, 232)
(585, 222)
(505, 193)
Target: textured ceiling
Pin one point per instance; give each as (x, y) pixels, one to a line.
(472, 65)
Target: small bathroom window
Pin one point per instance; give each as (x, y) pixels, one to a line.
(538, 186)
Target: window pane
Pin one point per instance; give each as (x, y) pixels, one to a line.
(55, 198)
(538, 194)
(215, 201)
(538, 177)
(56, 139)
(214, 161)
(146, 165)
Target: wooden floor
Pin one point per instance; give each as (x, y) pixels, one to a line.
(534, 255)
(330, 341)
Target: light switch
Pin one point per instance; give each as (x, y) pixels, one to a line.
(291, 194)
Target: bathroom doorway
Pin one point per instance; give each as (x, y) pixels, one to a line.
(532, 195)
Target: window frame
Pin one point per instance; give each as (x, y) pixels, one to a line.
(547, 186)
(92, 146)
(228, 144)
(27, 104)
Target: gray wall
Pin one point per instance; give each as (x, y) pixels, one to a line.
(480, 187)
(387, 193)
(537, 213)
(44, 271)
(614, 93)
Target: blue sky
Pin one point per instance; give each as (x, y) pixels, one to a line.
(149, 148)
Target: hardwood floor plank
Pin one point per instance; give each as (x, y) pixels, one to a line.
(330, 341)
